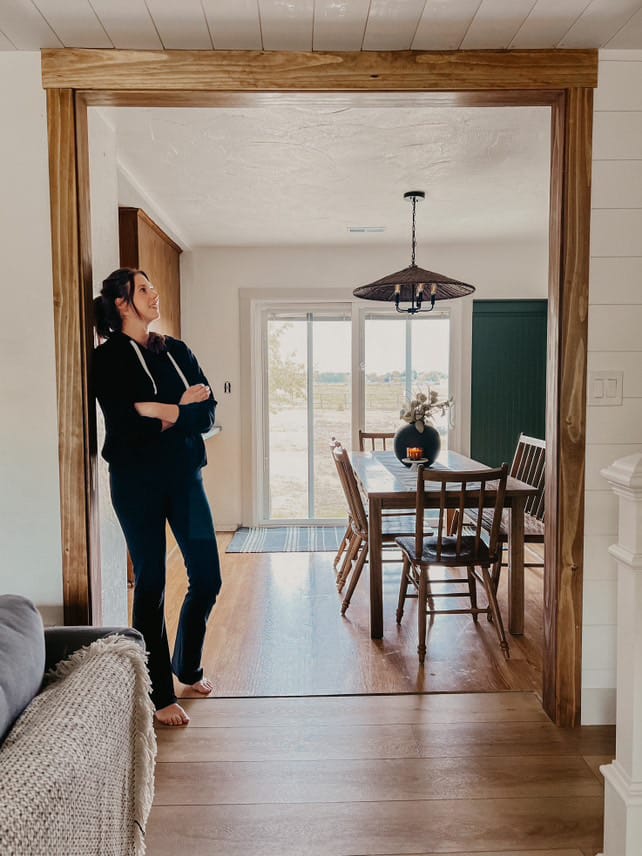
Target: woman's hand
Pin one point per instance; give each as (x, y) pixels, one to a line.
(196, 393)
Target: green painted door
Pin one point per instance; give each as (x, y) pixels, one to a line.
(508, 381)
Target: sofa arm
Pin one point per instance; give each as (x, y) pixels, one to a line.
(61, 642)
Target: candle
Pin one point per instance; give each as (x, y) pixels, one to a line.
(414, 453)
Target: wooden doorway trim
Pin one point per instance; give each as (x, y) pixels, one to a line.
(563, 80)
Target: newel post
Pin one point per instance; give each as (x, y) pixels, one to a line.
(623, 777)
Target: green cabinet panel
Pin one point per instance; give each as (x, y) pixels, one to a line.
(508, 377)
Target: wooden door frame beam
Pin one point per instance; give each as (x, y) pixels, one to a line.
(563, 80)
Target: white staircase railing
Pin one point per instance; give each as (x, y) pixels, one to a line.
(623, 777)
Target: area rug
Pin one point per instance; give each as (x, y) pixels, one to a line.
(286, 539)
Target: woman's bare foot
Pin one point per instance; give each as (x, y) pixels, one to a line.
(204, 686)
(173, 714)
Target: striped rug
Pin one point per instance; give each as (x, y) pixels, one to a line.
(286, 539)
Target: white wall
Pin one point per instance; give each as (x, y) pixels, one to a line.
(614, 343)
(30, 552)
(105, 258)
(211, 323)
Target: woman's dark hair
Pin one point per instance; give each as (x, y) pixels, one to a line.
(119, 285)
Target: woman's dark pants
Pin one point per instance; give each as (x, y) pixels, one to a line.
(144, 503)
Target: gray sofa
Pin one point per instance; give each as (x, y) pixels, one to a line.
(77, 745)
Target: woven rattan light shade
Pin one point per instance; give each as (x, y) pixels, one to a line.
(409, 279)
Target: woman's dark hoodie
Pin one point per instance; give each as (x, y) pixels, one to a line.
(124, 373)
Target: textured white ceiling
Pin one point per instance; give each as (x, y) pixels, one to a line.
(292, 176)
(322, 25)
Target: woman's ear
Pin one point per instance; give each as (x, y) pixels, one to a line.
(122, 306)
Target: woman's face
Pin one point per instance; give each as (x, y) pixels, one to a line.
(145, 299)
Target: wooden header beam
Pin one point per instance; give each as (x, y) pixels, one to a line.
(248, 71)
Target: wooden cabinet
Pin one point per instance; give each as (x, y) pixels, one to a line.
(144, 245)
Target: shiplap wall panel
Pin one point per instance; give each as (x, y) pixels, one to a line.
(181, 26)
(601, 20)
(600, 455)
(619, 88)
(617, 135)
(286, 26)
(614, 342)
(392, 25)
(598, 562)
(619, 424)
(75, 23)
(443, 25)
(128, 24)
(617, 184)
(616, 232)
(548, 23)
(24, 27)
(339, 26)
(496, 24)
(234, 24)
(605, 320)
(601, 678)
(600, 647)
(601, 511)
(600, 606)
(615, 280)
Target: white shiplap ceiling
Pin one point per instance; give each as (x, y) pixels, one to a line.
(288, 176)
(322, 25)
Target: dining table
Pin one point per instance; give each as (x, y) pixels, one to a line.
(386, 483)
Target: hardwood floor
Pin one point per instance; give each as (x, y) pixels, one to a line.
(411, 774)
(277, 630)
(321, 742)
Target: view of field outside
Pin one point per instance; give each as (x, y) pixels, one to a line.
(390, 344)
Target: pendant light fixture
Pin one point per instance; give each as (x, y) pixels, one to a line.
(413, 285)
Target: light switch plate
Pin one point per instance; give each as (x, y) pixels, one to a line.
(605, 388)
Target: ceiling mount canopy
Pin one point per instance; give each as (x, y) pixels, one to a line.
(414, 285)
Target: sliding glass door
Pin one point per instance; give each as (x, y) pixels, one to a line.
(328, 371)
(308, 399)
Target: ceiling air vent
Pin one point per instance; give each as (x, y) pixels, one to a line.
(366, 228)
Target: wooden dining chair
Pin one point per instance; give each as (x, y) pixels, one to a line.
(377, 441)
(358, 542)
(477, 489)
(347, 535)
(371, 441)
(529, 465)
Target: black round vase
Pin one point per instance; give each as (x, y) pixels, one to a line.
(408, 437)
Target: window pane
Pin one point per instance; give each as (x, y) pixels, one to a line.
(287, 419)
(430, 349)
(404, 356)
(384, 371)
(332, 409)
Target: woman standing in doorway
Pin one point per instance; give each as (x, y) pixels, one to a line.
(157, 403)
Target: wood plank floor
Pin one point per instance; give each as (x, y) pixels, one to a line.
(321, 742)
(277, 630)
(406, 774)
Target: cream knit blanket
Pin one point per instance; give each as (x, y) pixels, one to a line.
(77, 768)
